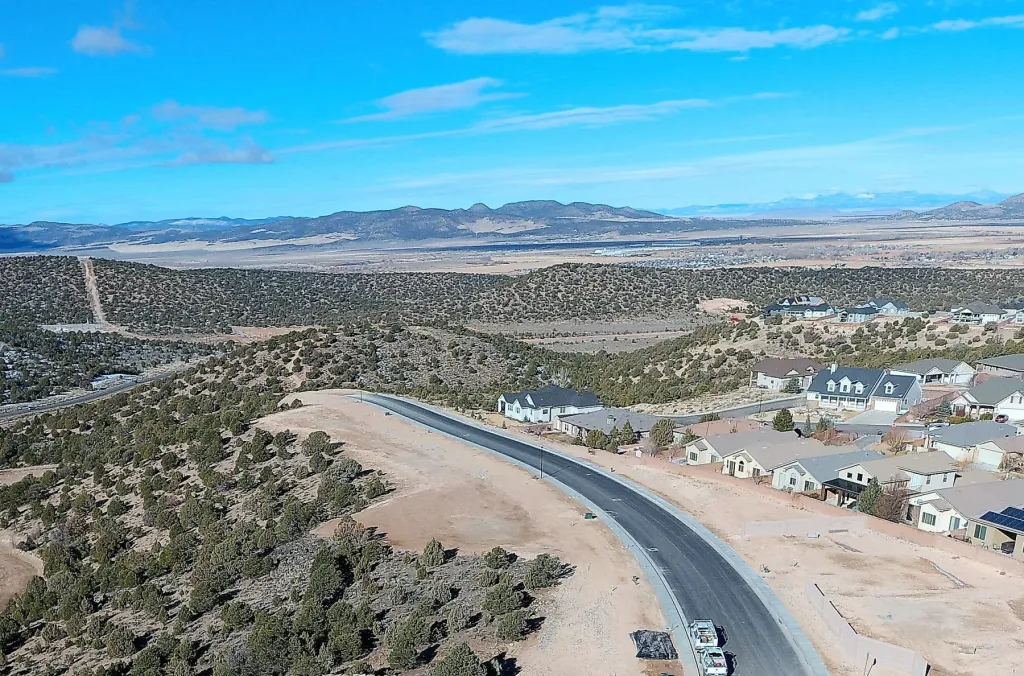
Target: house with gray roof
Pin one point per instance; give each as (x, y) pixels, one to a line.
(976, 312)
(859, 314)
(850, 388)
(607, 420)
(810, 474)
(759, 453)
(889, 306)
(1009, 365)
(546, 404)
(960, 441)
(937, 371)
(916, 472)
(950, 510)
(1002, 398)
(774, 373)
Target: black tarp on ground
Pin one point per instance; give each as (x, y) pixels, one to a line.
(653, 645)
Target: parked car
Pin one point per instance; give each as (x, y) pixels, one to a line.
(1001, 418)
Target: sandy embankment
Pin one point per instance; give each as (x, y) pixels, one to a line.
(471, 500)
(16, 567)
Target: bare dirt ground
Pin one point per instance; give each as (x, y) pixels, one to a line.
(723, 305)
(474, 501)
(11, 476)
(887, 588)
(712, 402)
(17, 568)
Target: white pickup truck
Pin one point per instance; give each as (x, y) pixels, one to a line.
(704, 637)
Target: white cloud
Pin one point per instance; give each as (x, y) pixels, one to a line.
(208, 117)
(1012, 21)
(891, 34)
(616, 28)
(455, 96)
(102, 41)
(247, 153)
(588, 116)
(878, 12)
(28, 71)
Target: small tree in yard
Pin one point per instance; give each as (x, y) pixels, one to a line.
(783, 421)
(626, 434)
(662, 432)
(867, 501)
(460, 661)
(792, 386)
(892, 503)
(895, 439)
(511, 626)
(544, 571)
(807, 429)
(597, 439)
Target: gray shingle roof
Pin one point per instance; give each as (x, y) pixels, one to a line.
(970, 434)
(1011, 362)
(771, 449)
(781, 368)
(607, 418)
(552, 395)
(882, 302)
(900, 386)
(923, 366)
(979, 308)
(995, 390)
(896, 468)
(862, 310)
(867, 377)
(974, 500)
(826, 467)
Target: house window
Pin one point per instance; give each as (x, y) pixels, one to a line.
(980, 531)
(546, 411)
(831, 387)
(859, 389)
(889, 388)
(849, 475)
(927, 479)
(927, 519)
(693, 457)
(792, 481)
(954, 523)
(740, 466)
(808, 485)
(860, 477)
(844, 387)
(755, 473)
(944, 478)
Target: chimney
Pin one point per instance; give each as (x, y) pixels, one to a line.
(610, 420)
(833, 367)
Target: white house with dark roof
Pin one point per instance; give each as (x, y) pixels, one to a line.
(996, 396)
(607, 420)
(937, 371)
(546, 404)
(859, 314)
(810, 474)
(889, 306)
(849, 388)
(976, 312)
(775, 373)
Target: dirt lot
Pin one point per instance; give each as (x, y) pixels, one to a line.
(474, 501)
(887, 588)
(16, 568)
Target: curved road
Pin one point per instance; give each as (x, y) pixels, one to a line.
(702, 581)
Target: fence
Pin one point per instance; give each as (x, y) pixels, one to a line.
(863, 649)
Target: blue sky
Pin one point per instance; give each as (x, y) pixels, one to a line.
(112, 112)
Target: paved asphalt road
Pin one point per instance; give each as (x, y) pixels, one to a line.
(743, 411)
(703, 582)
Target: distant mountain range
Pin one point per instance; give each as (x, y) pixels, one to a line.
(837, 204)
(517, 221)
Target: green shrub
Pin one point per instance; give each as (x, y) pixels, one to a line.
(503, 598)
(511, 626)
(497, 558)
(460, 661)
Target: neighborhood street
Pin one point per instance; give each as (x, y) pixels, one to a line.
(703, 582)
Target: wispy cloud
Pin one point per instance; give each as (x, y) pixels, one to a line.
(578, 116)
(208, 117)
(617, 28)
(29, 71)
(439, 98)
(878, 12)
(108, 40)
(6, 176)
(149, 140)
(1012, 21)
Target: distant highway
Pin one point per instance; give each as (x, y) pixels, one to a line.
(15, 411)
(699, 577)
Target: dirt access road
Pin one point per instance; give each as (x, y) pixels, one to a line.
(471, 500)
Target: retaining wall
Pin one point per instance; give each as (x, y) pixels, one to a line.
(863, 650)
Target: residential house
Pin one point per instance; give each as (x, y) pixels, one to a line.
(607, 420)
(1009, 365)
(806, 307)
(1014, 312)
(546, 404)
(757, 454)
(937, 371)
(916, 472)
(976, 312)
(889, 306)
(996, 397)
(1001, 530)
(699, 430)
(1000, 453)
(775, 373)
(960, 441)
(810, 474)
(859, 314)
(949, 510)
(711, 448)
(818, 311)
(858, 389)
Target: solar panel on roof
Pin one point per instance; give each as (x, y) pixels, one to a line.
(1015, 512)
(1004, 520)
